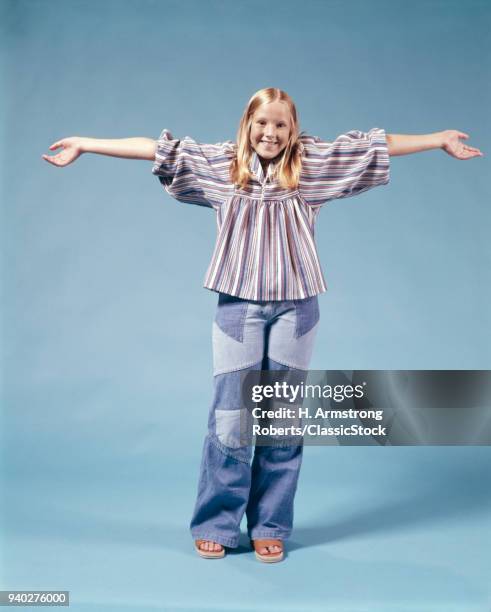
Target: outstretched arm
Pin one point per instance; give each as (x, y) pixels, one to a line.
(73, 147)
(448, 140)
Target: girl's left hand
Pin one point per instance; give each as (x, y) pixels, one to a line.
(452, 145)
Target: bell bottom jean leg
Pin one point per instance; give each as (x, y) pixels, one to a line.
(276, 469)
(225, 471)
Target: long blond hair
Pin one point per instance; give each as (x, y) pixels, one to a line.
(289, 166)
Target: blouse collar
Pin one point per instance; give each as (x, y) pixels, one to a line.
(256, 168)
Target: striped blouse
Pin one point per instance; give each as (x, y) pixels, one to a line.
(265, 247)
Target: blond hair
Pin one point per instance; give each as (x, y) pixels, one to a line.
(288, 167)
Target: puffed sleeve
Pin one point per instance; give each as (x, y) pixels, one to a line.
(353, 163)
(192, 172)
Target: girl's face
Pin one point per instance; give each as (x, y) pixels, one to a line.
(270, 129)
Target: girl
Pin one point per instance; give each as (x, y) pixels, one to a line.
(267, 190)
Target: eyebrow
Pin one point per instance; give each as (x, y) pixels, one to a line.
(260, 118)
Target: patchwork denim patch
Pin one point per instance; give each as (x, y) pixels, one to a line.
(230, 316)
(307, 312)
(234, 428)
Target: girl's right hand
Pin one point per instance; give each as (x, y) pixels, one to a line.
(71, 150)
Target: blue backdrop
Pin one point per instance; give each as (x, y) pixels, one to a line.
(106, 331)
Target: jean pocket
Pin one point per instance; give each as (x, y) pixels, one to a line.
(230, 315)
(307, 313)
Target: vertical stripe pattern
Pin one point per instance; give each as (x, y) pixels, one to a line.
(265, 247)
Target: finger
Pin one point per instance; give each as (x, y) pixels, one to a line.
(53, 160)
(463, 135)
(56, 145)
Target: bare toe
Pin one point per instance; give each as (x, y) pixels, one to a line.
(210, 546)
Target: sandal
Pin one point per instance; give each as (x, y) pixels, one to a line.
(270, 557)
(209, 554)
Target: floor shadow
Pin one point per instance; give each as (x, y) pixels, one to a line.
(441, 492)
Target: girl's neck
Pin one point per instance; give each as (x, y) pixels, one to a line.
(265, 163)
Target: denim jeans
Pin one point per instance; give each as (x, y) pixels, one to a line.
(250, 335)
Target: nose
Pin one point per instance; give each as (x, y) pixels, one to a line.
(269, 132)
